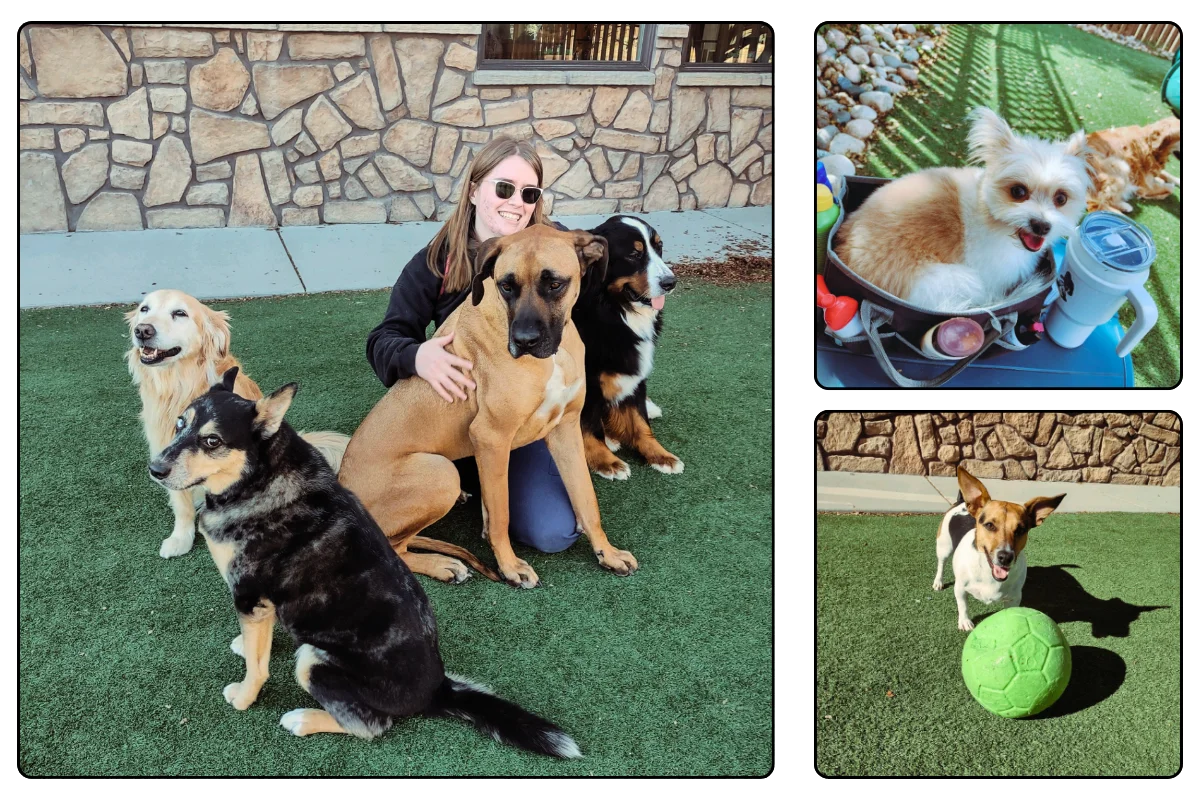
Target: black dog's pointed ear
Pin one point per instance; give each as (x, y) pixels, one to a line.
(228, 379)
(485, 265)
(269, 411)
(593, 257)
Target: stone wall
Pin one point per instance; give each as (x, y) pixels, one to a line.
(1128, 448)
(124, 128)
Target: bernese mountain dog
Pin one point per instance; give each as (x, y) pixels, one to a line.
(619, 317)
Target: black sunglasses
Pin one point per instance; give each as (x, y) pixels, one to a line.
(505, 189)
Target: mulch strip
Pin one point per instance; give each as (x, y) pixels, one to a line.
(736, 264)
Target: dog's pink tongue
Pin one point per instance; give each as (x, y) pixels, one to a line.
(658, 302)
(1032, 243)
(999, 572)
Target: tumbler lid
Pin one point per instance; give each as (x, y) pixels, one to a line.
(1117, 241)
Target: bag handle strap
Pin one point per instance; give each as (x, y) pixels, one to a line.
(874, 317)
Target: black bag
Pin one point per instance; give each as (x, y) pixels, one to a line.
(886, 317)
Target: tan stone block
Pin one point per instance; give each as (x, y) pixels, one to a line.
(623, 189)
(756, 97)
(174, 218)
(71, 139)
(553, 128)
(926, 435)
(466, 112)
(577, 182)
(744, 127)
(747, 157)
(168, 99)
(876, 427)
(281, 86)
(171, 43)
(85, 172)
(42, 207)
(330, 165)
(212, 172)
(159, 124)
(460, 57)
(561, 101)
(316, 46)
(373, 182)
(308, 196)
(717, 119)
(59, 52)
(250, 207)
(263, 45)
(325, 124)
(983, 469)
(136, 153)
(400, 176)
(173, 71)
(111, 211)
(419, 58)
(387, 72)
(36, 139)
(443, 150)
(53, 113)
(215, 136)
(663, 78)
(402, 209)
(705, 145)
(301, 216)
(638, 142)
(875, 446)
(663, 195)
(687, 112)
(276, 176)
(287, 126)
(495, 94)
(411, 139)
(635, 114)
(220, 83)
(360, 145)
(358, 100)
(1158, 434)
(505, 112)
(208, 194)
(360, 211)
(629, 169)
(842, 432)
(906, 455)
(856, 464)
(1129, 480)
(607, 102)
(600, 168)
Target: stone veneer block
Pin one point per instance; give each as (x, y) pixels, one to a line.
(171, 43)
(250, 207)
(280, 86)
(36, 139)
(717, 120)
(220, 83)
(71, 139)
(326, 125)
(171, 100)
(565, 102)
(215, 136)
(400, 176)
(505, 112)
(136, 153)
(373, 181)
(687, 112)
(59, 53)
(317, 46)
(387, 72)
(308, 196)
(213, 172)
(42, 206)
(307, 172)
(170, 173)
(758, 98)
(744, 127)
(419, 59)
(208, 194)
(301, 216)
(263, 45)
(85, 172)
(358, 100)
(286, 127)
(626, 141)
(467, 113)
(460, 57)
(111, 211)
(635, 115)
(52, 113)
(173, 71)
(360, 145)
(443, 150)
(275, 173)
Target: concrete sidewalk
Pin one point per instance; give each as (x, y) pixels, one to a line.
(67, 269)
(854, 491)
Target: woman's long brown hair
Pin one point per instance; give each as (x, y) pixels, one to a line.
(451, 253)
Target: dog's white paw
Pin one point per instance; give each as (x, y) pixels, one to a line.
(673, 468)
(176, 545)
(652, 409)
(296, 721)
(619, 472)
(938, 586)
(966, 625)
(239, 695)
(236, 646)
(612, 444)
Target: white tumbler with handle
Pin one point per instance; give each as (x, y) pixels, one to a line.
(1108, 260)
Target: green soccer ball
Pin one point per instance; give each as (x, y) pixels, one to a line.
(1016, 662)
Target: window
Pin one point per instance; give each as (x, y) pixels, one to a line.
(748, 46)
(576, 45)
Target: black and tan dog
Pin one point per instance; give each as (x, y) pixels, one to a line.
(528, 368)
(295, 545)
(619, 317)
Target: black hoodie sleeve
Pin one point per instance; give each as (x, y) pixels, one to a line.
(392, 345)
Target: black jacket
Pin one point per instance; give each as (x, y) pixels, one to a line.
(417, 299)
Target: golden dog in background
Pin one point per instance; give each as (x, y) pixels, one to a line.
(180, 349)
(1131, 160)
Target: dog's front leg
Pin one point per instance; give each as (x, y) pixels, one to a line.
(960, 597)
(184, 533)
(566, 448)
(491, 455)
(256, 647)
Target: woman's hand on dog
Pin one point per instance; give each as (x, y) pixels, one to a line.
(440, 368)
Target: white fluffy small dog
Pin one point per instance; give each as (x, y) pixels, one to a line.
(952, 239)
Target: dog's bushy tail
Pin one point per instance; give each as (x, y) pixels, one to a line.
(330, 444)
(505, 722)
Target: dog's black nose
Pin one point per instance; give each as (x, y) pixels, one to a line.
(526, 336)
(158, 470)
(1004, 557)
(667, 283)
(1039, 227)
(144, 331)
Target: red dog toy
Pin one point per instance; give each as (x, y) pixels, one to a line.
(841, 313)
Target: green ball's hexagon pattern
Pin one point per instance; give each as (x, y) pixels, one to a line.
(1016, 663)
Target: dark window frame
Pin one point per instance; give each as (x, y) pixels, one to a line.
(647, 34)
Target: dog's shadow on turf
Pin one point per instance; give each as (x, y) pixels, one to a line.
(1059, 595)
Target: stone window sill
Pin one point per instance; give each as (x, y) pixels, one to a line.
(534, 77)
(685, 78)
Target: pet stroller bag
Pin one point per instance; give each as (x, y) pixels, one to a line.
(890, 323)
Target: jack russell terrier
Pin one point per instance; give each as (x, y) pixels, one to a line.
(987, 538)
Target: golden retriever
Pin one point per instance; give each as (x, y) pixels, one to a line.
(180, 347)
(1131, 160)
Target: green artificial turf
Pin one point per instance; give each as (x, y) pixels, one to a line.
(123, 655)
(1047, 80)
(890, 694)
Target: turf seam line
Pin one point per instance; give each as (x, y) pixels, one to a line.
(291, 261)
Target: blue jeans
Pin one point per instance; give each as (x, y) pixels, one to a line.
(539, 509)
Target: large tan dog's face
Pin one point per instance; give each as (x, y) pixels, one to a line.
(538, 272)
(1002, 528)
(169, 325)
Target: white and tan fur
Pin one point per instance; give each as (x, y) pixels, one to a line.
(989, 559)
(167, 388)
(1132, 161)
(952, 239)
